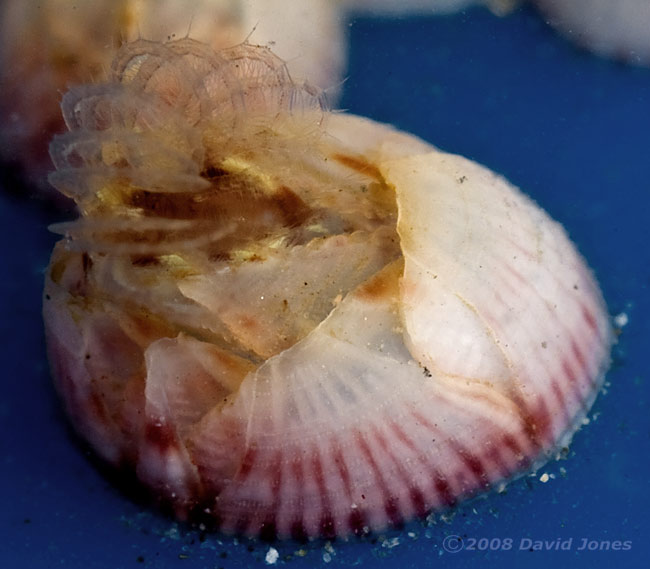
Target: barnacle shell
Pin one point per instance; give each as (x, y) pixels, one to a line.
(300, 323)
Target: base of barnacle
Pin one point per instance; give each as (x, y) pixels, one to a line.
(197, 514)
(129, 451)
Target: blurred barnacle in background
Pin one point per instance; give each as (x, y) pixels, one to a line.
(619, 30)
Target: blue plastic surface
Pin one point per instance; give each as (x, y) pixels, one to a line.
(570, 129)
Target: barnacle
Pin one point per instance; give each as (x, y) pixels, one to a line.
(297, 322)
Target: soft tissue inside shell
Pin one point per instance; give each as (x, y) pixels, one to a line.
(210, 202)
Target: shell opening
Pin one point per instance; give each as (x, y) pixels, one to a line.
(198, 171)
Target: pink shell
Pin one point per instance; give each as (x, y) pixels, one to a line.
(444, 334)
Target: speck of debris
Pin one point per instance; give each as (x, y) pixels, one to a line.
(140, 559)
(621, 320)
(272, 556)
(544, 345)
(462, 179)
(427, 373)
(183, 556)
(390, 543)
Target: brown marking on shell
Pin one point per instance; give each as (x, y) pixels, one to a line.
(68, 270)
(145, 261)
(229, 369)
(384, 285)
(143, 326)
(380, 193)
(361, 165)
(250, 324)
(537, 423)
(161, 436)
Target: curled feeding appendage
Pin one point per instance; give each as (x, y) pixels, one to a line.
(299, 323)
(48, 45)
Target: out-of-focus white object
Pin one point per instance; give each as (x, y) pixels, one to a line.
(619, 29)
